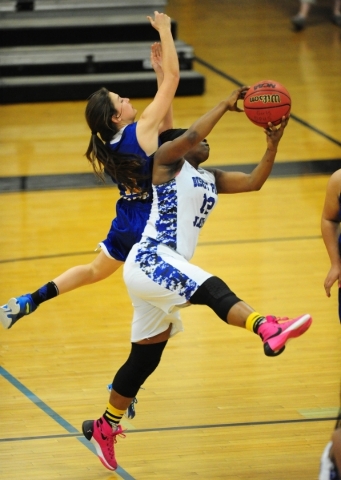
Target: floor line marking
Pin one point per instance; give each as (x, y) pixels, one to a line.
(55, 416)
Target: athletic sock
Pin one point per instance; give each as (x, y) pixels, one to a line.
(253, 321)
(113, 415)
(46, 292)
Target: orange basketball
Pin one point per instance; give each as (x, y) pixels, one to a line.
(267, 101)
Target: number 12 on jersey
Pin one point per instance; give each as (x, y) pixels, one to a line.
(207, 205)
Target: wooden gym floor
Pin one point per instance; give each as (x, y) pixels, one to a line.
(216, 408)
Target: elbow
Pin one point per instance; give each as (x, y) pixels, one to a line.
(171, 82)
(256, 187)
(176, 77)
(193, 137)
(172, 75)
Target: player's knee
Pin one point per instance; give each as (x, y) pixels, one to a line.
(217, 295)
(141, 363)
(102, 267)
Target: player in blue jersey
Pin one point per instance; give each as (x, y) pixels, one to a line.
(159, 277)
(122, 147)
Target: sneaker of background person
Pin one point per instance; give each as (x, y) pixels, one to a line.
(298, 23)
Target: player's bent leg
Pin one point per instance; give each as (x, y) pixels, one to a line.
(162, 337)
(142, 361)
(99, 269)
(274, 332)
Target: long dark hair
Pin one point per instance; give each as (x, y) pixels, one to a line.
(123, 168)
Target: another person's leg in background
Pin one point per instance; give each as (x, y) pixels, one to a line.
(300, 19)
(337, 12)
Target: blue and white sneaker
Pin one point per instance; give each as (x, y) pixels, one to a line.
(130, 412)
(15, 309)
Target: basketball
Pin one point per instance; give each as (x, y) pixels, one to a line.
(267, 101)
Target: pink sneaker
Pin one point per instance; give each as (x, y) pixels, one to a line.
(275, 332)
(101, 434)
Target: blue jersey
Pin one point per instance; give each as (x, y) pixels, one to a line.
(125, 141)
(132, 209)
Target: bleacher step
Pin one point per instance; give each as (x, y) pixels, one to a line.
(85, 58)
(48, 8)
(78, 29)
(80, 87)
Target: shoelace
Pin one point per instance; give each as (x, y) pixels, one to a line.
(276, 319)
(119, 432)
(111, 440)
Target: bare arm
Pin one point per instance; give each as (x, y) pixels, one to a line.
(148, 125)
(156, 62)
(238, 182)
(171, 152)
(330, 228)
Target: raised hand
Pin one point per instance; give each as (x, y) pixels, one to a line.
(274, 134)
(156, 57)
(236, 95)
(160, 21)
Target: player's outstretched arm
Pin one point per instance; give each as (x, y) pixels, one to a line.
(169, 158)
(156, 62)
(149, 122)
(238, 182)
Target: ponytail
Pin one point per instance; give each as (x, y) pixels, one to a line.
(125, 169)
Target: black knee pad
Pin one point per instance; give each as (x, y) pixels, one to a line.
(141, 363)
(215, 294)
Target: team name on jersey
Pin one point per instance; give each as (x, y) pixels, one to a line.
(199, 182)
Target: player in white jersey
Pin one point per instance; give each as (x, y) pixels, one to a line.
(160, 278)
(160, 260)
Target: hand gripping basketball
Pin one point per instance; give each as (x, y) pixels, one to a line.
(267, 101)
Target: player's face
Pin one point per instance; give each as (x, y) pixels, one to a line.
(125, 111)
(199, 153)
